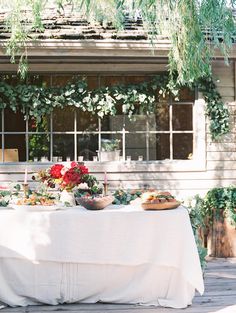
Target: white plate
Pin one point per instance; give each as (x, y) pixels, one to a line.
(32, 208)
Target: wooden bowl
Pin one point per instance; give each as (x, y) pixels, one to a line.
(95, 203)
(160, 206)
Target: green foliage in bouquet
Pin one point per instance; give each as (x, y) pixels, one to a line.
(125, 197)
(93, 187)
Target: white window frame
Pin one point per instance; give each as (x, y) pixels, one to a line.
(197, 163)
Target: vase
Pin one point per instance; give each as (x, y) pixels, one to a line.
(68, 198)
(105, 156)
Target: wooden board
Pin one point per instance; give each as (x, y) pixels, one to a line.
(160, 206)
(222, 238)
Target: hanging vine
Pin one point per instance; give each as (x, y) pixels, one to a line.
(216, 110)
(134, 99)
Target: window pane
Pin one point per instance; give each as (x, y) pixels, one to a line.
(112, 123)
(182, 117)
(63, 119)
(159, 146)
(136, 79)
(186, 94)
(42, 126)
(86, 121)
(62, 80)
(92, 82)
(10, 79)
(162, 117)
(40, 80)
(63, 146)
(39, 147)
(135, 146)
(112, 151)
(136, 123)
(87, 146)
(13, 121)
(106, 81)
(182, 146)
(17, 144)
(1, 120)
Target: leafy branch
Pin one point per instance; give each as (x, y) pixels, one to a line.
(194, 27)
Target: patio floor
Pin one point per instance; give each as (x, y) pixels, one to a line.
(219, 296)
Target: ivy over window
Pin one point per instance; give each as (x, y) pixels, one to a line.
(134, 99)
(216, 110)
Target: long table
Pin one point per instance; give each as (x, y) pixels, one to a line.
(121, 254)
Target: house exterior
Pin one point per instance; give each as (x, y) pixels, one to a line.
(169, 150)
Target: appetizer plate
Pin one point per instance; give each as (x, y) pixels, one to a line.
(31, 208)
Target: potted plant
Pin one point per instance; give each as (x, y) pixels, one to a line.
(109, 150)
(216, 213)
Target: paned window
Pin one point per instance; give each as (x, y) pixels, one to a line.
(70, 133)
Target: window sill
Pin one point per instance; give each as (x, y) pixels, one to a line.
(116, 166)
(147, 166)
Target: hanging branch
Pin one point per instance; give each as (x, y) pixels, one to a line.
(194, 27)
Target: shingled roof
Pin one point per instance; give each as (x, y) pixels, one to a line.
(69, 24)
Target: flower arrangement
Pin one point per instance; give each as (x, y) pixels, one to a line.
(66, 177)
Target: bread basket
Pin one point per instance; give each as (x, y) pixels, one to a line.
(160, 206)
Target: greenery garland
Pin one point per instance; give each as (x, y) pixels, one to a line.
(38, 101)
(219, 202)
(216, 110)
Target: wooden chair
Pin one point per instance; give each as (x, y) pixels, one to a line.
(10, 155)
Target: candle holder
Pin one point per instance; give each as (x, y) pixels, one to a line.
(25, 190)
(105, 189)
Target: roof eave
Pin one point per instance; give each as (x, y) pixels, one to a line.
(106, 48)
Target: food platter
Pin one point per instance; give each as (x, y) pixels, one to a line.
(159, 200)
(160, 206)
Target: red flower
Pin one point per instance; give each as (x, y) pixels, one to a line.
(55, 171)
(73, 176)
(83, 169)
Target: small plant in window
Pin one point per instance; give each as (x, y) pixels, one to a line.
(110, 144)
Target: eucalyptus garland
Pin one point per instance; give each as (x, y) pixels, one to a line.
(38, 101)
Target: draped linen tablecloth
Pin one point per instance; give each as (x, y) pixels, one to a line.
(121, 254)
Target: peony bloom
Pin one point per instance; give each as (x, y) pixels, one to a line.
(55, 171)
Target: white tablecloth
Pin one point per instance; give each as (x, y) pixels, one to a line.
(119, 254)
